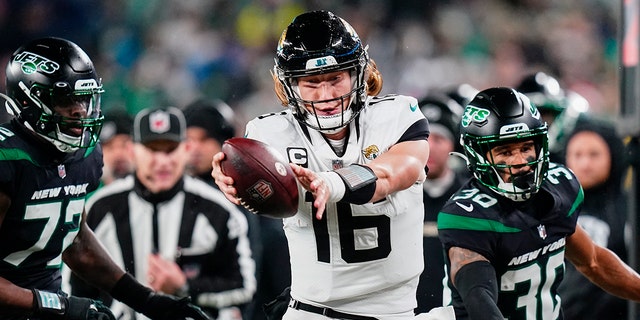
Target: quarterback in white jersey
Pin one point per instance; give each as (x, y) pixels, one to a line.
(356, 241)
(360, 257)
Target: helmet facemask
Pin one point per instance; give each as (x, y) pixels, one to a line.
(67, 134)
(305, 111)
(53, 90)
(521, 185)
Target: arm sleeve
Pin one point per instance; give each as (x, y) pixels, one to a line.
(476, 283)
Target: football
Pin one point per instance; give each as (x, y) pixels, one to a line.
(262, 177)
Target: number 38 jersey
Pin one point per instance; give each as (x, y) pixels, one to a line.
(524, 241)
(47, 189)
(358, 258)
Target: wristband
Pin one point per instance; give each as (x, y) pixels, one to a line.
(335, 184)
(354, 184)
(360, 182)
(48, 302)
(129, 291)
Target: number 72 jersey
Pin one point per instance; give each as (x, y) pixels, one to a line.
(524, 241)
(47, 200)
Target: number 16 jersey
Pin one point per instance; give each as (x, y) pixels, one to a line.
(363, 259)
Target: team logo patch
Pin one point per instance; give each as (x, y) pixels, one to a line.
(337, 164)
(159, 122)
(542, 231)
(371, 152)
(32, 62)
(62, 171)
(474, 114)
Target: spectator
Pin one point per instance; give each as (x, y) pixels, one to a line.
(444, 177)
(595, 154)
(209, 124)
(117, 145)
(171, 231)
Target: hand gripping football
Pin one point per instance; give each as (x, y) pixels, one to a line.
(262, 177)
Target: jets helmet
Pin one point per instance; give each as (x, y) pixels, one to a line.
(48, 73)
(320, 42)
(544, 91)
(498, 116)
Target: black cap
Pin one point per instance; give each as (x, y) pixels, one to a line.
(443, 113)
(212, 116)
(159, 124)
(116, 121)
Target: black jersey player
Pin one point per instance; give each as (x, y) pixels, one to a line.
(49, 162)
(507, 231)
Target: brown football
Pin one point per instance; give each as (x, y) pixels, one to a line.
(262, 177)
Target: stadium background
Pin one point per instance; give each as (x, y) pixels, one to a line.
(152, 52)
(169, 52)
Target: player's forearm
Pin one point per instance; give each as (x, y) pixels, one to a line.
(613, 275)
(89, 260)
(400, 167)
(15, 298)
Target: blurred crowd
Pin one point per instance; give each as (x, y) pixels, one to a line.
(159, 52)
(153, 53)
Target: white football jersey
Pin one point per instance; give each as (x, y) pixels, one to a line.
(358, 258)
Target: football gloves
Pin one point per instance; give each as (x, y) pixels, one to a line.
(69, 307)
(154, 305)
(166, 307)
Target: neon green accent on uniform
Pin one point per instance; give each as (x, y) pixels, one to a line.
(14, 154)
(577, 202)
(452, 221)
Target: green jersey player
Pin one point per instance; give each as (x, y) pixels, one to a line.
(507, 231)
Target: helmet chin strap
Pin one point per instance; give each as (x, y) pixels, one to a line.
(336, 122)
(10, 105)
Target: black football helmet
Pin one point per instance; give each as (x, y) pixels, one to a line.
(319, 42)
(51, 72)
(498, 116)
(544, 91)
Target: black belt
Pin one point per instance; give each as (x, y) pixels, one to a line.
(327, 312)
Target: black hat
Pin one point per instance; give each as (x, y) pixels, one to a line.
(443, 113)
(116, 121)
(159, 124)
(214, 117)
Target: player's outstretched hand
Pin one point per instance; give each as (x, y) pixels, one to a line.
(70, 307)
(166, 307)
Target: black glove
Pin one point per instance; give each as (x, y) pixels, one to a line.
(154, 305)
(276, 308)
(69, 307)
(165, 307)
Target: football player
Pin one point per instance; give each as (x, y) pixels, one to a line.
(356, 241)
(507, 231)
(49, 162)
(561, 109)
